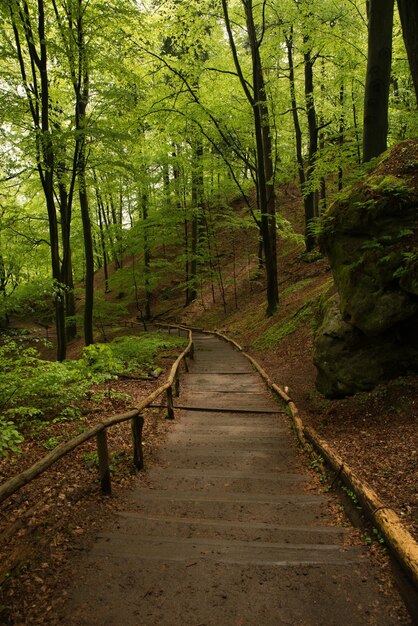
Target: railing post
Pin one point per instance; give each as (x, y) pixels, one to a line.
(104, 469)
(170, 408)
(137, 424)
(192, 351)
(177, 385)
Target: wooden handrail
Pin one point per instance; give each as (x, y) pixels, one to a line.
(10, 486)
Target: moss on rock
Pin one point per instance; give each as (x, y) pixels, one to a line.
(370, 236)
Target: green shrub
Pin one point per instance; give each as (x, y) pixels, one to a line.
(33, 390)
(128, 354)
(10, 438)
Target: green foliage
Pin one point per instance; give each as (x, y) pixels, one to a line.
(377, 535)
(91, 459)
(110, 394)
(31, 386)
(34, 390)
(371, 244)
(301, 284)
(389, 185)
(51, 442)
(10, 438)
(31, 300)
(409, 260)
(273, 335)
(128, 354)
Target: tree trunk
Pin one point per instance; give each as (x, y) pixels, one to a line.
(341, 135)
(82, 96)
(147, 258)
(295, 115)
(39, 105)
(197, 201)
(376, 96)
(310, 197)
(66, 266)
(264, 167)
(408, 11)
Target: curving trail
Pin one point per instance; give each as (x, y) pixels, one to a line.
(229, 531)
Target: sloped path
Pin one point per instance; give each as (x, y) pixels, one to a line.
(227, 533)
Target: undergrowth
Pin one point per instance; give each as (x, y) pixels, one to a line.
(284, 327)
(34, 391)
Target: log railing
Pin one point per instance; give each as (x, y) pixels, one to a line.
(10, 486)
(402, 545)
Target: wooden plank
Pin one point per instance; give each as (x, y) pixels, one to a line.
(219, 410)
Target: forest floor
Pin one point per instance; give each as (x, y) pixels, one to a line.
(56, 516)
(45, 524)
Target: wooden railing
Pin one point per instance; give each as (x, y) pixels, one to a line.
(10, 486)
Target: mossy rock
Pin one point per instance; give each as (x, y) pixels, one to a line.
(348, 361)
(370, 239)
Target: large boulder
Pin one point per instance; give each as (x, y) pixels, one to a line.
(349, 361)
(370, 236)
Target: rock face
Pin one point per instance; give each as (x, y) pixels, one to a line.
(370, 332)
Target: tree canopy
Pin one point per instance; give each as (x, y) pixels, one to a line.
(127, 128)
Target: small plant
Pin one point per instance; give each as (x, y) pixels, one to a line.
(10, 438)
(352, 495)
(111, 394)
(371, 244)
(91, 459)
(51, 443)
(317, 463)
(375, 536)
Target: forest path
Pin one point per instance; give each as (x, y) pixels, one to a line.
(229, 531)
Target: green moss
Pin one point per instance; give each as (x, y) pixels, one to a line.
(296, 287)
(388, 185)
(273, 335)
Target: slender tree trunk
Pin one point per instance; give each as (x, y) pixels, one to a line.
(355, 124)
(295, 115)
(197, 201)
(37, 93)
(408, 11)
(322, 204)
(147, 257)
(264, 168)
(100, 211)
(376, 96)
(66, 266)
(82, 97)
(310, 195)
(117, 245)
(341, 135)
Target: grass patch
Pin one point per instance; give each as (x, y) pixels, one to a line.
(296, 287)
(273, 335)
